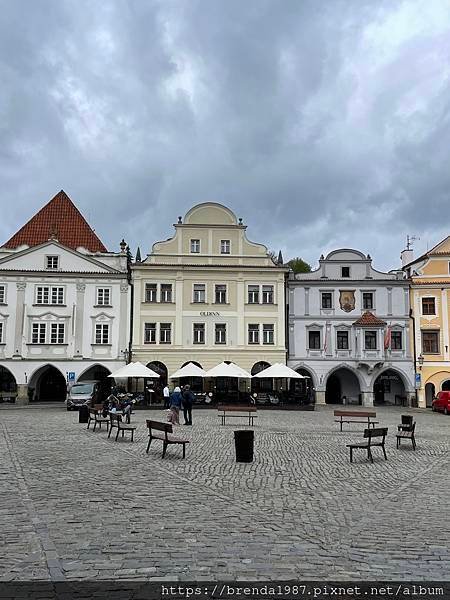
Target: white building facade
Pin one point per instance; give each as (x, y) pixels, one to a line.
(64, 317)
(348, 330)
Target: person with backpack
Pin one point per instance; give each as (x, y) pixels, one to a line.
(188, 401)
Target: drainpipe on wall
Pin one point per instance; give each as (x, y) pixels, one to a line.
(411, 316)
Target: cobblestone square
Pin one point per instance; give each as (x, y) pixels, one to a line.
(77, 505)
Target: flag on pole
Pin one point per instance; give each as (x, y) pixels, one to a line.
(387, 338)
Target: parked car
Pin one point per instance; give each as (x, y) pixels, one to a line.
(442, 403)
(82, 393)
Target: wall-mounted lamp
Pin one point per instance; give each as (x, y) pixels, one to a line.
(420, 360)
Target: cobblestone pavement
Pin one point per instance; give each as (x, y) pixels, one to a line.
(76, 505)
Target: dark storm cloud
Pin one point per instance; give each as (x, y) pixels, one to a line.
(321, 123)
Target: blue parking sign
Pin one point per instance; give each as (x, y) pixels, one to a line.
(418, 381)
(71, 376)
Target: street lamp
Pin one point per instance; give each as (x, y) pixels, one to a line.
(126, 355)
(420, 360)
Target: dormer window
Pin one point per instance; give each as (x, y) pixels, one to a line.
(52, 262)
(345, 271)
(225, 246)
(195, 246)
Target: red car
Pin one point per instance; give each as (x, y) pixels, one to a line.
(442, 402)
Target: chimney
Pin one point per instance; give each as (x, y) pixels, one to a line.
(407, 256)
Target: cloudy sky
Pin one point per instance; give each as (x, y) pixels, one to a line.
(322, 123)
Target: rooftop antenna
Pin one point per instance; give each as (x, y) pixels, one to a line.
(410, 239)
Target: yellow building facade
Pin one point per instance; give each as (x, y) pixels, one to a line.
(208, 294)
(430, 312)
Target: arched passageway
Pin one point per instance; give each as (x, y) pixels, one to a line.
(8, 385)
(101, 374)
(47, 385)
(343, 387)
(301, 391)
(446, 386)
(153, 388)
(257, 385)
(389, 389)
(430, 393)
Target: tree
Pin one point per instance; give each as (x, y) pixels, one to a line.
(298, 265)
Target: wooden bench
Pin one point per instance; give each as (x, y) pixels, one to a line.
(116, 421)
(371, 434)
(406, 432)
(224, 412)
(95, 414)
(355, 416)
(166, 436)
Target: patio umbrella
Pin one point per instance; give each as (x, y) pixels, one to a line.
(228, 370)
(189, 370)
(279, 371)
(134, 369)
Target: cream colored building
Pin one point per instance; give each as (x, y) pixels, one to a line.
(430, 303)
(208, 294)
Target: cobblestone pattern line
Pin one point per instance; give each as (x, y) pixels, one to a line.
(106, 509)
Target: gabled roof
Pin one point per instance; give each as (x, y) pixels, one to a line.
(368, 319)
(441, 249)
(59, 219)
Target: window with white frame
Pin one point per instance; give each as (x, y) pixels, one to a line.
(199, 293)
(150, 333)
(48, 333)
(195, 246)
(103, 296)
(220, 294)
(396, 340)
(49, 295)
(57, 331)
(1, 332)
(253, 333)
(51, 262)
(166, 292)
(267, 294)
(430, 342)
(2, 294)
(429, 306)
(102, 333)
(38, 333)
(220, 333)
(314, 340)
(42, 295)
(342, 340)
(225, 246)
(151, 290)
(253, 294)
(199, 333)
(165, 333)
(327, 300)
(367, 299)
(370, 340)
(268, 333)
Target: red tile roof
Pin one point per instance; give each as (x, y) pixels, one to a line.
(59, 219)
(368, 319)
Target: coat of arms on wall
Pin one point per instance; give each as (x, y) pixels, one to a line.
(347, 300)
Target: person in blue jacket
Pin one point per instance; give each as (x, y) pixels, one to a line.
(188, 401)
(175, 405)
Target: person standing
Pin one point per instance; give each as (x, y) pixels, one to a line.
(166, 396)
(175, 405)
(188, 401)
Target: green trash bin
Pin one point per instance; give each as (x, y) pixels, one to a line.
(243, 441)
